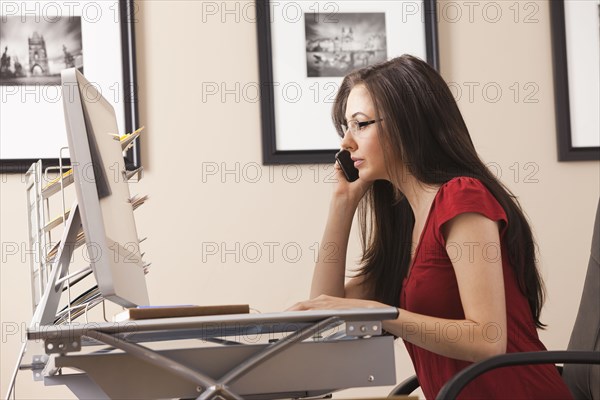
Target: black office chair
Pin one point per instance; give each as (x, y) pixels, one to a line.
(582, 378)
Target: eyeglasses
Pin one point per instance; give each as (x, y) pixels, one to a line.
(356, 127)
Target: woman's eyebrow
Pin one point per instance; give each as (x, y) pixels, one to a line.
(357, 113)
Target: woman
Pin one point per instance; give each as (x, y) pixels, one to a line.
(443, 240)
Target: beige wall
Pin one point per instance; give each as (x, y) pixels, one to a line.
(185, 135)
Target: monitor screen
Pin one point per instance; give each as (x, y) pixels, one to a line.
(103, 195)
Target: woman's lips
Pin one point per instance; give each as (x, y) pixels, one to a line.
(357, 163)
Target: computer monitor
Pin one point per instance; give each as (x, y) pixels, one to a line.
(103, 192)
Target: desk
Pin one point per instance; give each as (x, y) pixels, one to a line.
(212, 362)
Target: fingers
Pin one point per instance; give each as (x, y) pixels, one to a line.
(301, 306)
(313, 304)
(338, 169)
(295, 307)
(322, 302)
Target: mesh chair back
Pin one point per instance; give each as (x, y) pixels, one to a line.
(584, 380)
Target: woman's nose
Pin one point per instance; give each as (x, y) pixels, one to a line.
(348, 141)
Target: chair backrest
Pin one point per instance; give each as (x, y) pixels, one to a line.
(584, 380)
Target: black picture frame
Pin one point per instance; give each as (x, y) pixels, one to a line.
(271, 154)
(566, 150)
(126, 20)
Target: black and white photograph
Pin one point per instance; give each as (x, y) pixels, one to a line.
(340, 44)
(38, 41)
(35, 50)
(305, 56)
(576, 68)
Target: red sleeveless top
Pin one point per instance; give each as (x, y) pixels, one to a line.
(431, 289)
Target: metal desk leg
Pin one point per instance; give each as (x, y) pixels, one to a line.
(154, 358)
(13, 379)
(221, 387)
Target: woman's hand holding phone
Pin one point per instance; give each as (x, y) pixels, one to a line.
(349, 186)
(346, 164)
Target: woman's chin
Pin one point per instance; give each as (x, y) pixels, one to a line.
(365, 176)
(368, 176)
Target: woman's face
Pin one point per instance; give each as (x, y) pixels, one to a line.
(365, 147)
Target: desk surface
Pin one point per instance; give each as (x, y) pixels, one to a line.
(220, 325)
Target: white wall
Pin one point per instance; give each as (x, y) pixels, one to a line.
(185, 135)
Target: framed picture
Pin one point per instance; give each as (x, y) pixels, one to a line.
(576, 59)
(305, 50)
(38, 39)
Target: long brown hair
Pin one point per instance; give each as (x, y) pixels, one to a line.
(425, 129)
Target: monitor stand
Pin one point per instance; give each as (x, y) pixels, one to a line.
(45, 312)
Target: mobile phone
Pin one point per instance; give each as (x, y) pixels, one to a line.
(343, 159)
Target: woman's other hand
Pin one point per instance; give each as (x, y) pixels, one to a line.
(324, 302)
